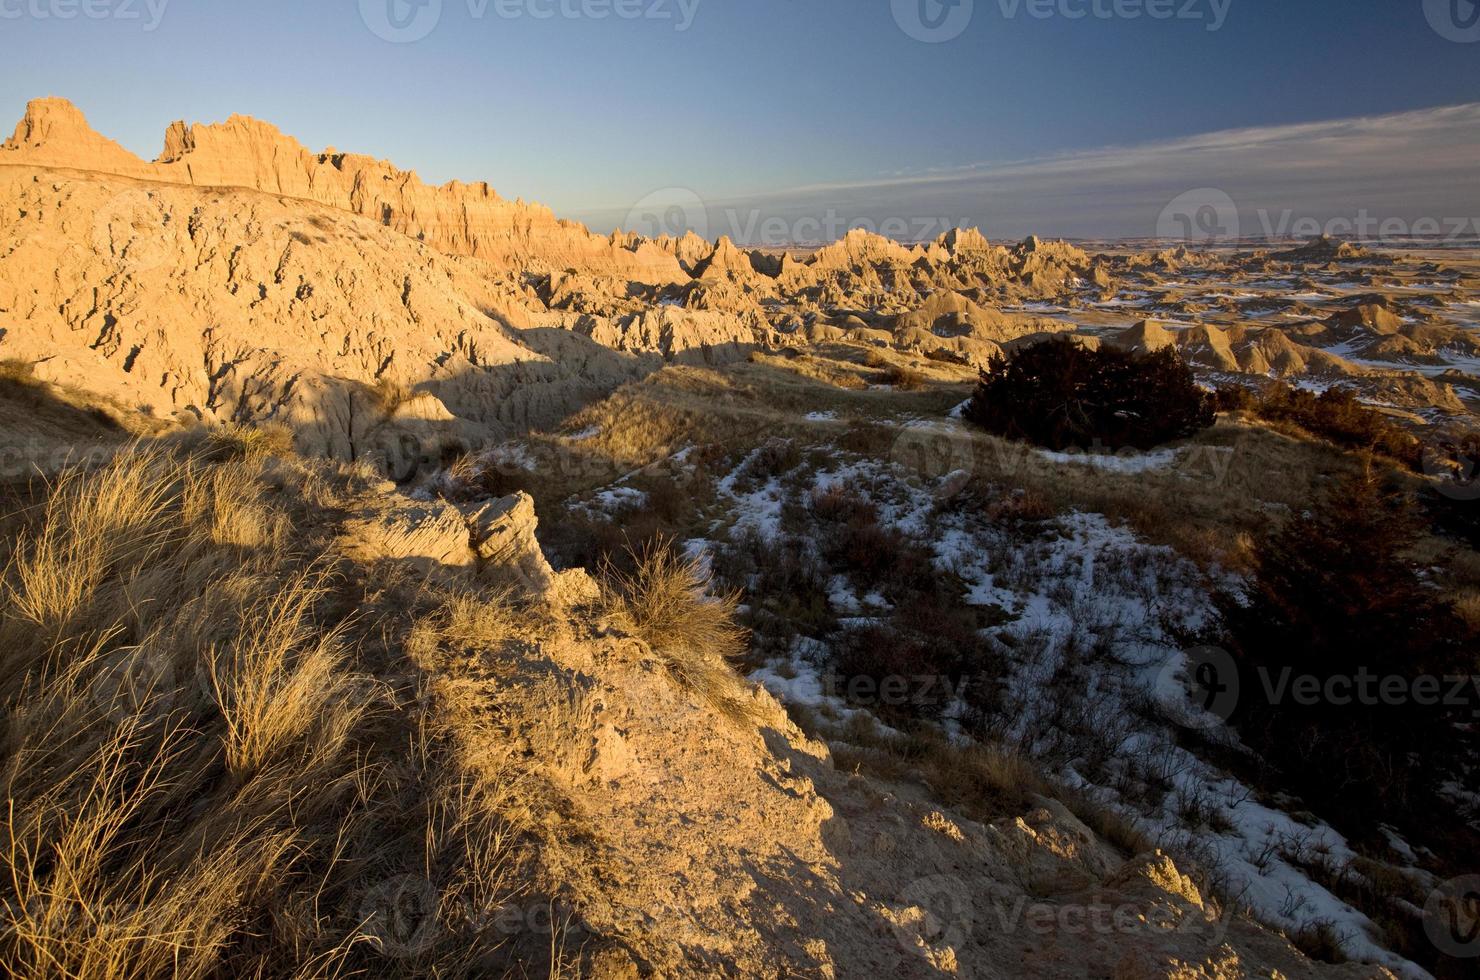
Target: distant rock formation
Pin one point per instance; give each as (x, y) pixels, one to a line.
(456, 218)
(1324, 249)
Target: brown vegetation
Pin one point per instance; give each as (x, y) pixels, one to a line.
(203, 773)
(667, 603)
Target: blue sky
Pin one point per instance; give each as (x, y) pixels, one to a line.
(757, 97)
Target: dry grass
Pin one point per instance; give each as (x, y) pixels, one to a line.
(126, 578)
(666, 603)
(466, 622)
(895, 374)
(826, 370)
(199, 776)
(982, 780)
(250, 442)
(1239, 477)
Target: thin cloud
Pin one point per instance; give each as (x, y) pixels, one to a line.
(1405, 166)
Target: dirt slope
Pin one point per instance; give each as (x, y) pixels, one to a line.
(693, 842)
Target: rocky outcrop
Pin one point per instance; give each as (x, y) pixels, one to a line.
(1207, 346)
(1145, 336)
(502, 536)
(727, 262)
(456, 218)
(214, 305)
(1364, 318)
(674, 333)
(951, 322)
(491, 543)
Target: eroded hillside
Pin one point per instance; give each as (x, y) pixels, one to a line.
(489, 596)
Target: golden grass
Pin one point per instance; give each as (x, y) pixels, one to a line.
(109, 749)
(199, 778)
(249, 442)
(666, 603)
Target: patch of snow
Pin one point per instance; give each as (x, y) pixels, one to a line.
(758, 510)
(1125, 461)
(508, 456)
(614, 500)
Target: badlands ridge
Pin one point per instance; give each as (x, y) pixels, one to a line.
(371, 312)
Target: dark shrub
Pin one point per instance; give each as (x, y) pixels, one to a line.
(786, 589)
(852, 539)
(1334, 596)
(1234, 398)
(1060, 394)
(1453, 502)
(906, 378)
(773, 458)
(1338, 417)
(914, 665)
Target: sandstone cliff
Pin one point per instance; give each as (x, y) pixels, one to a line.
(457, 218)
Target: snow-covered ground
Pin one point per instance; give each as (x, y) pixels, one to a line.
(1085, 599)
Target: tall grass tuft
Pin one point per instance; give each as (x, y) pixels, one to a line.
(666, 602)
